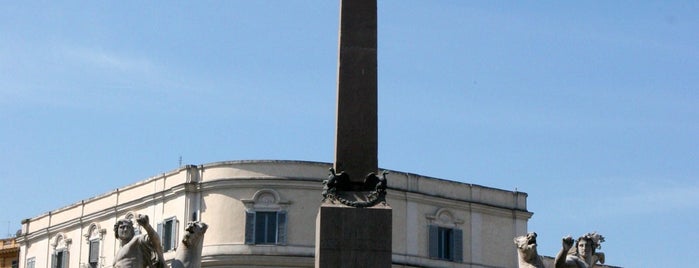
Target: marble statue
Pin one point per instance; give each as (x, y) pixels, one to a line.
(527, 255)
(583, 255)
(137, 251)
(188, 254)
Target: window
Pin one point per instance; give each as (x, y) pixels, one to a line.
(15, 264)
(132, 216)
(265, 227)
(60, 259)
(265, 218)
(446, 243)
(168, 233)
(445, 238)
(93, 237)
(30, 262)
(94, 254)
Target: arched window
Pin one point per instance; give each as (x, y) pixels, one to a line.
(265, 218)
(132, 217)
(94, 237)
(61, 251)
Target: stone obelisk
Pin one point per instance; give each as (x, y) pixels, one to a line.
(354, 223)
(356, 140)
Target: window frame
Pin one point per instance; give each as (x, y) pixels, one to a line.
(445, 238)
(93, 239)
(93, 253)
(251, 228)
(60, 258)
(446, 243)
(31, 262)
(61, 247)
(171, 243)
(266, 201)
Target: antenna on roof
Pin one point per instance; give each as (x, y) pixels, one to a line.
(180, 161)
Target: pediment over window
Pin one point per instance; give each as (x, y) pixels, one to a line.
(94, 231)
(444, 217)
(265, 199)
(60, 241)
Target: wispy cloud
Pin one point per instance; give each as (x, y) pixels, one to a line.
(108, 60)
(649, 199)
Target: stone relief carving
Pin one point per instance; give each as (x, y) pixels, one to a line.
(265, 199)
(94, 232)
(370, 193)
(61, 242)
(444, 217)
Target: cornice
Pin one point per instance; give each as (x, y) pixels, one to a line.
(441, 201)
(262, 182)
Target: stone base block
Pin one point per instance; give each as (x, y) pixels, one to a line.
(353, 237)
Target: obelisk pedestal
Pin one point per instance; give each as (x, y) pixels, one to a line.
(348, 237)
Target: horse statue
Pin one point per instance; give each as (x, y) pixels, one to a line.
(188, 254)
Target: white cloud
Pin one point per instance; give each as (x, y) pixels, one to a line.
(649, 199)
(108, 60)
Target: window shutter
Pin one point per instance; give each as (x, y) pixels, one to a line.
(433, 241)
(173, 236)
(281, 227)
(249, 227)
(94, 251)
(159, 229)
(66, 257)
(54, 260)
(458, 242)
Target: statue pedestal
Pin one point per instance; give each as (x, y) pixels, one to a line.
(353, 237)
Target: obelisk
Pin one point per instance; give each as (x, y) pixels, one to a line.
(354, 223)
(356, 134)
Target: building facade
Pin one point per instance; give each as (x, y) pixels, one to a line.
(263, 214)
(9, 253)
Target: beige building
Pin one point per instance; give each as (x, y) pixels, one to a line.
(263, 214)
(9, 253)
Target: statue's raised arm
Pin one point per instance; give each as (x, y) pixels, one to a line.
(138, 251)
(583, 255)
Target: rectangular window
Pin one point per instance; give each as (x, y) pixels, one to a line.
(168, 233)
(446, 243)
(94, 254)
(444, 237)
(30, 262)
(15, 264)
(60, 259)
(265, 227)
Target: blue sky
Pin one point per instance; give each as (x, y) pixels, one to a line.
(589, 107)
